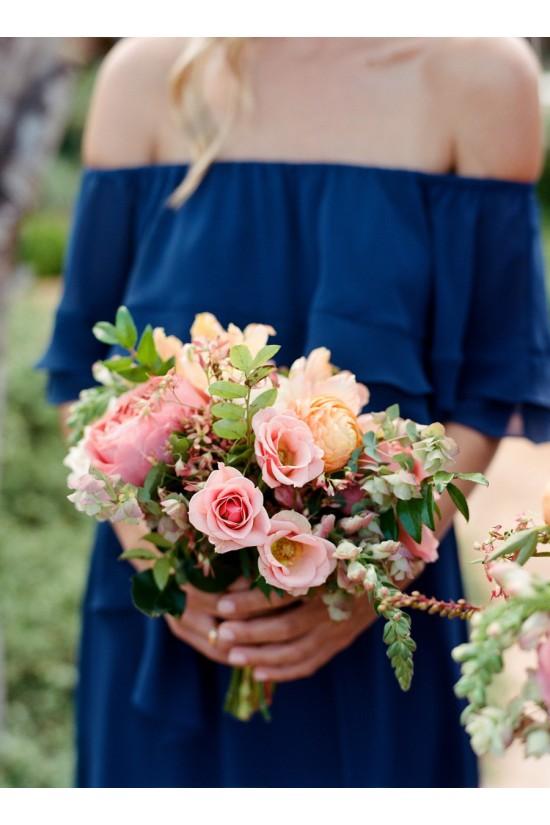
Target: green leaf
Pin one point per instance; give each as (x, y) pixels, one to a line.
(409, 514)
(154, 478)
(228, 389)
(138, 553)
(412, 431)
(393, 412)
(241, 357)
(370, 444)
(118, 364)
(353, 460)
(441, 480)
(259, 374)
(135, 374)
(225, 409)
(161, 572)
(180, 446)
(105, 332)
(405, 460)
(477, 478)
(164, 366)
(516, 542)
(154, 602)
(146, 351)
(234, 457)
(230, 429)
(427, 513)
(158, 540)
(528, 549)
(459, 500)
(125, 328)
(389, 525)
(225, 573)
(265, 354)
(265, 399)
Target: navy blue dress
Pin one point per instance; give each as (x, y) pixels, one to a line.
(430, 288)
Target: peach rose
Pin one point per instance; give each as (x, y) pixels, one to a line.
(229, 510)
(315, 376)
(134, 434)
(426, 550)
(292, 558)
(285, 449)
(335, 430)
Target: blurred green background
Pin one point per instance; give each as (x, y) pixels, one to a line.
(44, 542)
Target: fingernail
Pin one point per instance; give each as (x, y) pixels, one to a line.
(226, 634)
(236, 658)
(226, 606)
(260, 675)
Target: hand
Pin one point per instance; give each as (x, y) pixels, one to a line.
(291, 643)
(199, 623)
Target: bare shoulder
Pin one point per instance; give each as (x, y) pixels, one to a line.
(490, 94)
(130, 95)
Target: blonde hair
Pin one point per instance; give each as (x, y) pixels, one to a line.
(205, 136)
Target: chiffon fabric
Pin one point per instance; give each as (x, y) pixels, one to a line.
(430, 288)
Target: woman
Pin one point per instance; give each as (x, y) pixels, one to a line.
(370, 195)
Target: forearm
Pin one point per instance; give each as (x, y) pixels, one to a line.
(476, 452)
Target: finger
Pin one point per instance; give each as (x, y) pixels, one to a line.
(280, 626)
(245, 604)
(283, 661)
(198, 639)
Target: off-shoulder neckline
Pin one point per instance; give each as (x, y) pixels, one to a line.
(434, 177)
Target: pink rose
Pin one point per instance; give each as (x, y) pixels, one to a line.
(292, 558)
(426, 550)
(229, 510)
(285, 448)
(133, 436)
(543, 671)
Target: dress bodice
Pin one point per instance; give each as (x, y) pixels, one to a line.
(430, 285)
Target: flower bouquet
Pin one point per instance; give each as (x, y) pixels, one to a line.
(240, 469)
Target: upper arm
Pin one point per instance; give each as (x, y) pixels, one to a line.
(122, 115)
(496, 118)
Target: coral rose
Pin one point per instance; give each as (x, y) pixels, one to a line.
(285, 449)
(426, 550)
(134, 434)
(229, 510)
(292, 558)
(335, 430)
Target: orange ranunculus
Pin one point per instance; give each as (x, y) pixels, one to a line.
(334, 429)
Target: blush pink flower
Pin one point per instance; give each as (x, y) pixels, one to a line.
(229, 510)
(292, 558)
(543, 671)
(314, 376)
(426, 550)
(131, 437)
(285, 449)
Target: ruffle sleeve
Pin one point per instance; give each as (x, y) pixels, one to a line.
(490, 345)
(98, 261)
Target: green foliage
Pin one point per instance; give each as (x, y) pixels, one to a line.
(43, 555)
(42, 241)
